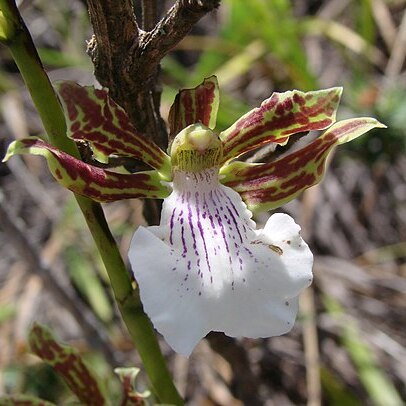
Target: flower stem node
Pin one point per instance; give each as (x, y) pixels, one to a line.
(196, 148)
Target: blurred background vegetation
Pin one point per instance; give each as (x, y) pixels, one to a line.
(349, 345)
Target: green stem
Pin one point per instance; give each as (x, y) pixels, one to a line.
(16, 36)
(130, 306)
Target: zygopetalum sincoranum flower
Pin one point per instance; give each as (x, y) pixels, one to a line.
(206, 267)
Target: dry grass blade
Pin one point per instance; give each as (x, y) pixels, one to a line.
(398, 52)
(348, 38)
(62, 293)
(311, 348)
(384, 22)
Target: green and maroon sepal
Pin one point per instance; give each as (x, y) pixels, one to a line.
(91, 181)
(67, 362)
(93, 116)
(193, 106)
(270, 185)
(279, 117)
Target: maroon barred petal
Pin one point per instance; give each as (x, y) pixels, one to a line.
(93, 116)
(197, 105)
(280, 116)
(67, 362)
(88, 180)
(268, 186)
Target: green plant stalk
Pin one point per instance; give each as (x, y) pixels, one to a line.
(18, 39)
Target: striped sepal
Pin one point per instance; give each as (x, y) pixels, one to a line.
(93, 116)
(268, 186)
(280, 116)
(67, 362)
(197, 105)
(88, 180)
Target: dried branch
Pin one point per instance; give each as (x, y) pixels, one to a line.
(149, 14)
(177, 23)
(127, 59)
(116, 31)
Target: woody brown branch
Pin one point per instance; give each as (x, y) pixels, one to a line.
(126, 58)
(149, 14)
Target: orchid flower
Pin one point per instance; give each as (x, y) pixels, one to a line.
(206, 267)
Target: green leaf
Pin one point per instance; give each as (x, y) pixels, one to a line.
(336, 392)
(60, 59)
(197, 105)
(91, 181)
(92, 116)
(67, 362)
(7, 311)
(241, 63)
(268, 186)
(271, 22)
(87, 282)
(279, 117)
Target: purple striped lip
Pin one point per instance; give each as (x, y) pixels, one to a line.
(209, 227)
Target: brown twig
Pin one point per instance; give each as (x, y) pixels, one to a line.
(116, 31)
(173, 27)
(311, 348)
(149, 14)
(126, 59)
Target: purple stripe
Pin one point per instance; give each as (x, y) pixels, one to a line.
(191, 223)
(232, 216)
(220, 223)
(199, 225)
(210, 215)
(171, 234)
(183, 242)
